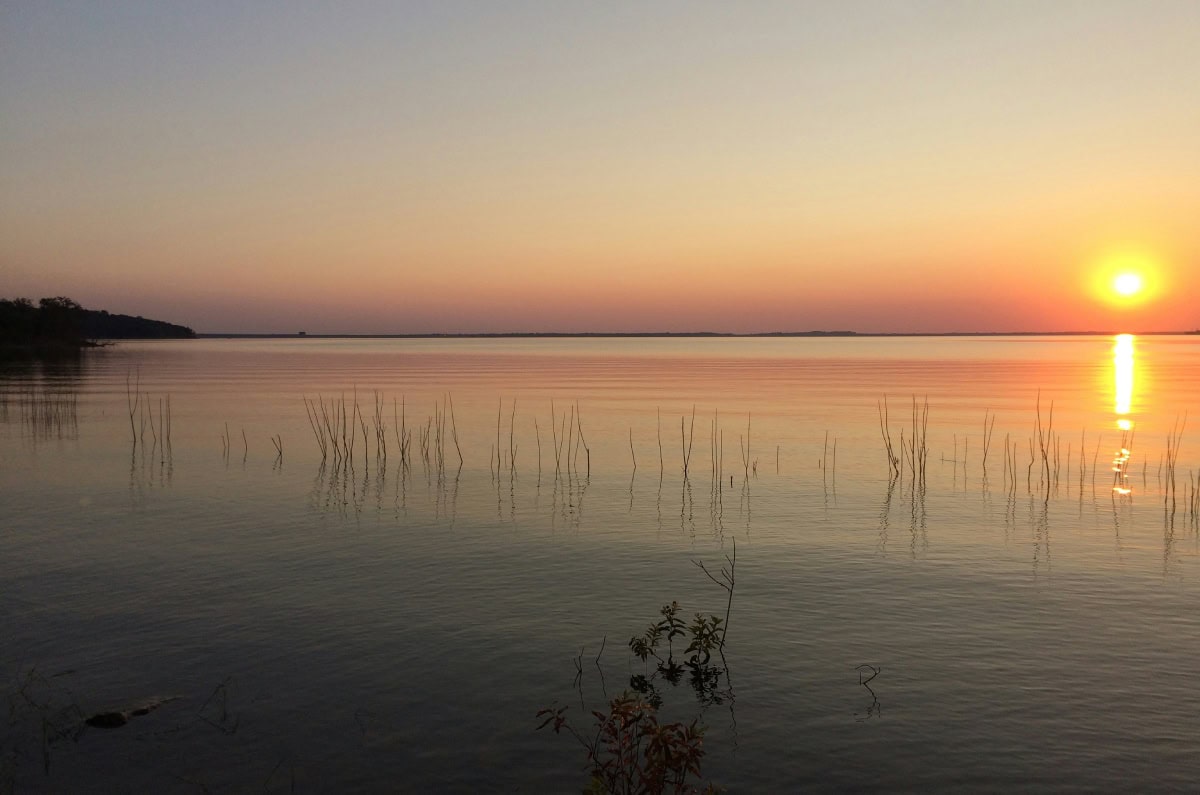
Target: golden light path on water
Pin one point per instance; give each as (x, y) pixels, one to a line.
(1123, 369)
(1123, 374)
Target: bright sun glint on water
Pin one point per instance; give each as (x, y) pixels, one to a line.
(1127, 283)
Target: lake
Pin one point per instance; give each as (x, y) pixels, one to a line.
(268, 559)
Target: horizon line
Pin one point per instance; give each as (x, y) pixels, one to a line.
(667, 334)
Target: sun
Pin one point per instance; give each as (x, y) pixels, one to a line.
(1127, 284)
(1126, 279)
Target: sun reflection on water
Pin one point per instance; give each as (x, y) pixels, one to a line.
(1123, 368)
(1123, 375)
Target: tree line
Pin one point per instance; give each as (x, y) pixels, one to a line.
(60, 321)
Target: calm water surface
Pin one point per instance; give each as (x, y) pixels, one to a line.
(333, 625)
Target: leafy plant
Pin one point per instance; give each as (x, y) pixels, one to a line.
(703, 630)
(632, 753)
(644, 645)
(705, 638)
(706, 634)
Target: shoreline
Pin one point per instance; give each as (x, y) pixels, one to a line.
(689, 334)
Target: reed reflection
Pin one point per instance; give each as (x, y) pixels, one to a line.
(42, 397)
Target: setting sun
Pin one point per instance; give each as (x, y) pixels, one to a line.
(1127, 278)
(1127, 283)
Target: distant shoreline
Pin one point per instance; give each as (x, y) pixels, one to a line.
(690, 334)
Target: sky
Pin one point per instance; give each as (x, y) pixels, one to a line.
(412, 167)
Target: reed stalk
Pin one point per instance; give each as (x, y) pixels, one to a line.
(1044, 437)
(744, 447)
(1174, 441)
(726, 582)
(512, 445)
(918, 448)
(153, 430)
(587, 450)
(380, 427)
(320, 423)
(1082, 460)
(912, 444)
(1004, 482)
(881, 408)
(442, 437)
(310, 411)
(1068, 477)
(362, 426)
(454, 433)
(1029, 470)
(1013, 463)
(685, 441)
(349, 431)
(143, 410)
(405, 433)
(436, 430)
(721, 461)
(1057, 456)
(748, 438)
(430, 448)
(712, 447)
(658, 414)
(570, 428)
(538, 435)
(558, 430)
(554, 439)
(133, 400)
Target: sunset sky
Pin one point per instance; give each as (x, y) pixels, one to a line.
(405, 167)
